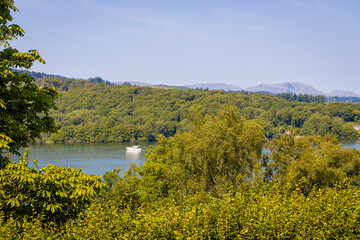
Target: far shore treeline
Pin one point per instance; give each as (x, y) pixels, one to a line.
(95, 111)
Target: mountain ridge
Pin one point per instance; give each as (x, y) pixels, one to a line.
(300, 88)
(284, 87)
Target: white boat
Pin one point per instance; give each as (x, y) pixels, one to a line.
(133, 149)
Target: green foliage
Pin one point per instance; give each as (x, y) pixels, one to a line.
(8, 32)
(221, 151)
(53, 193)
(265, 213)
(294, 97)
(322, 125)
(356, 115)
(4, 141)
(309, 162)
(121, 192)
(28, 228)
(209, 181)
(269, 211)
(90, 112)
(24, 107)
(204, 184)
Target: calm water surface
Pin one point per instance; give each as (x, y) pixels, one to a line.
(97, 158)
(93, 158)
(351, 143)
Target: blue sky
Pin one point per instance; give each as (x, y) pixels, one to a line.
(183, 42)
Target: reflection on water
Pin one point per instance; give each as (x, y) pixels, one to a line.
(93, 158)
(133, 155)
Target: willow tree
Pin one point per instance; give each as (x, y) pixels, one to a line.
(311, 162)
(220, 153)
(24, 107)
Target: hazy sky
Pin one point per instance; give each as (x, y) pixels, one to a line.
(179, 42)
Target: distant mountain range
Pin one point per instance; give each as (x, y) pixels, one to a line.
(286, 87)
(297, 88)
(341, 93)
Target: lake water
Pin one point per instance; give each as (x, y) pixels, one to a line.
(351, 143)
(93, 158)
(97, 158)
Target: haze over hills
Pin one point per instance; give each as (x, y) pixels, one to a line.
(215, 86)
(297, 87)
(286, 87)
(341, 93)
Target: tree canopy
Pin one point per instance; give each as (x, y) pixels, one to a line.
(222, 150)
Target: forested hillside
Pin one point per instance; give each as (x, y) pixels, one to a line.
(92, 112)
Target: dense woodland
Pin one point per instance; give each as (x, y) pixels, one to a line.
(89, 112)
(343, 99)
(212, 182)
(293, 96)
